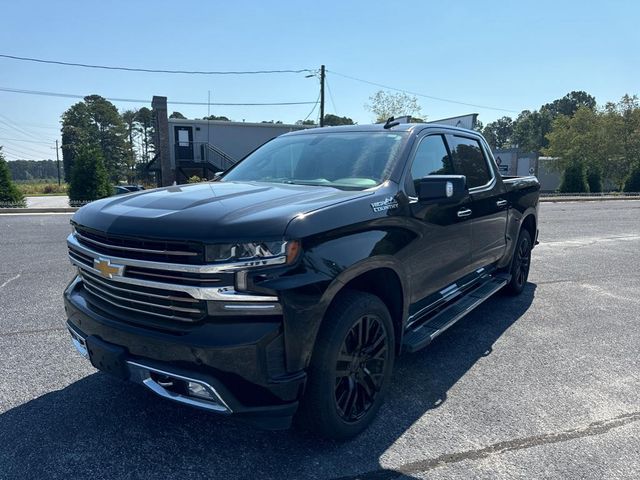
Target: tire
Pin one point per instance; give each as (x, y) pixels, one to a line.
(349, 372)
(520, 264)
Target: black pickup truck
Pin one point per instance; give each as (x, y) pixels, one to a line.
(289, 285)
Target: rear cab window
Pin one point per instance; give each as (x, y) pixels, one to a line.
(469, 159)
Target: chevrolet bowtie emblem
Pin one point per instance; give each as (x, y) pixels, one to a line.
(106, 268)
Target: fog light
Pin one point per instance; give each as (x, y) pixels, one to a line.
(198, 390)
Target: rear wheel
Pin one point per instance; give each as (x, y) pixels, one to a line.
(350, 368)
(520, 264)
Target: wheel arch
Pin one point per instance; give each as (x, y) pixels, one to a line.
(382, 278)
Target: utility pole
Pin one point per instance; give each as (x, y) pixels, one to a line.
(322, 95)
(58, 160)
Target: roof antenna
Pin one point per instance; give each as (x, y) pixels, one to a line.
(391, 122)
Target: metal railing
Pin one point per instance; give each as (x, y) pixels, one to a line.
(217, 157)
(209, 155)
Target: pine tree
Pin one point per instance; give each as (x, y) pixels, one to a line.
(10, 196)
(89, 178)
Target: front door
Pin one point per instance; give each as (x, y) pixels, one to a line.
(442, 253)
(183, 142)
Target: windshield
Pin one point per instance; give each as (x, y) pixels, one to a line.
(350, 160)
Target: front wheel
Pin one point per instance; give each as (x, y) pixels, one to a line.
(520, 264)
(350, 368)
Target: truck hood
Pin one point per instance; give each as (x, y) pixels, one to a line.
(210, 211)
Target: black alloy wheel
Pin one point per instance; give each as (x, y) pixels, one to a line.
(360, 368)
(520, 264)
(350, 369)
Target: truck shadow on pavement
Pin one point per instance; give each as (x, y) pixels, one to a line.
(99, 427)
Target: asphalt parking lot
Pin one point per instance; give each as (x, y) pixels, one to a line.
(545, 385)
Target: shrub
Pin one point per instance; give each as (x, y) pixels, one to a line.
(594, 179)
(10, 196)
(574, 179)
(89, 179)
(632, 184)
(196, 179)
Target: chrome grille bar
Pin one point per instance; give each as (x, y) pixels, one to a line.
(146, 312)
(164, 297)
(226, 293)
(92, 287)
(74, 244)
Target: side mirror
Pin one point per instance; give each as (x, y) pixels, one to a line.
(448, 188)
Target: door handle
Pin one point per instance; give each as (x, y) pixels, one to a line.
(501, 203)
(465, 212)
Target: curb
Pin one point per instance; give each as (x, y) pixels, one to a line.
(586, 199)
(39, 210)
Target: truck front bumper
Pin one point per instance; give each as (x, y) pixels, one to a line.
(232, 367)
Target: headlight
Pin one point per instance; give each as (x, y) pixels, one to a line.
(236, 252)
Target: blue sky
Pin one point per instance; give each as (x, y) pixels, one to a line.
(504, 54)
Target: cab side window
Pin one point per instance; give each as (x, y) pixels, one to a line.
(469, 160)
(431, 158)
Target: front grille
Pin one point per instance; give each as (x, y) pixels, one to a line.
(140, 248)
(136, 299)
(183, 278)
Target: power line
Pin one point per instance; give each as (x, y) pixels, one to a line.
(134, 100)
(9, 123)
(20, 155)
(153, 70)
(331, 97)
(313, 109)
(440, 99)
(26, 149)
(23, 140)
(23, 149)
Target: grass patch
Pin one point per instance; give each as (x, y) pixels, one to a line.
(42, 189)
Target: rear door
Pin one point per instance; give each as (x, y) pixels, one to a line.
(442, 253)
(488, 202)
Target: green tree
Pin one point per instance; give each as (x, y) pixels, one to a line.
(574, 179)
(334, 120)
(129, 119)
(95, 121)
(594, 179)
(177, 115)
(220, 118)
(144, 127)
(111, 135)
(89, 179)
(569, 104)
(305, 122)
(499, 134)
(387, 104)
(632, 184)
(9, 193)
(530, 130)
(77, 130)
